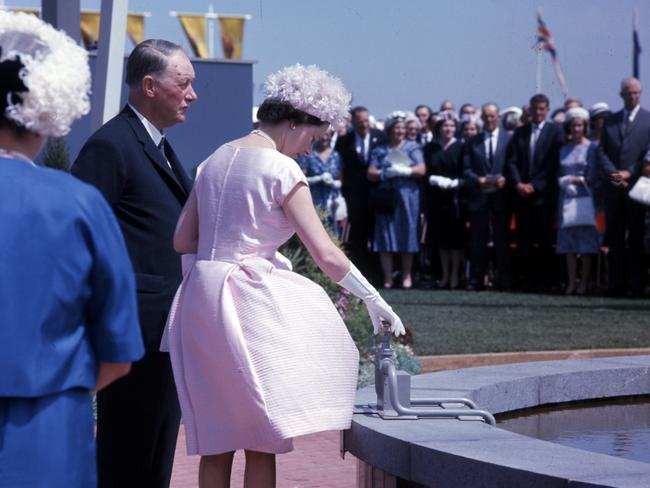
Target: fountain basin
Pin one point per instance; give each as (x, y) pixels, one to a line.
(444, 452)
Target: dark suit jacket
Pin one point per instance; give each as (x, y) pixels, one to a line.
(475, 164)
(542, 173)
(122, 161)
(355, 169)
(620, 151)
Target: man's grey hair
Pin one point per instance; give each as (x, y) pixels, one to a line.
(148, 58)
(630, 81)
(489, 104)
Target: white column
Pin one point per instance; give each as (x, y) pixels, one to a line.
(110, 62)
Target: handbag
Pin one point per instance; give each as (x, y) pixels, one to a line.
(383, 198)
(640, 192)
(578, 211)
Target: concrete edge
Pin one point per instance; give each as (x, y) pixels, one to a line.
(472, 454)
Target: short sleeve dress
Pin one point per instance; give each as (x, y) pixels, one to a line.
(398, 231)
(260, 353)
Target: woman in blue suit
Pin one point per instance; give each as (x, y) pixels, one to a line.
(67, 291)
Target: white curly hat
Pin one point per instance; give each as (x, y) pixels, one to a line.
(312, 90)
(53, 69)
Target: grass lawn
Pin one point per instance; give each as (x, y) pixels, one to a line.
(459, 322)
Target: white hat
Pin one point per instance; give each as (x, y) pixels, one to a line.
(577, 113)
(312, 90)
(45, 78)
(599, 109)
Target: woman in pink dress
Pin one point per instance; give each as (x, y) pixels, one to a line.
(260, 354)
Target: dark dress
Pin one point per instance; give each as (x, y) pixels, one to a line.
(446, 208)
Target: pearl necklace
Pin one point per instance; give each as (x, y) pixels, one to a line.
(264, 135)
(16, 155)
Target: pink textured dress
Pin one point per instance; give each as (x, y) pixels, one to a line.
(260, 354)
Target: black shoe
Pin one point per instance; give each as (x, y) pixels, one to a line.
(474, 287)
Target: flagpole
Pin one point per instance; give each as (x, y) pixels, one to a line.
(210, 21)
(635, 43)
(538, 62)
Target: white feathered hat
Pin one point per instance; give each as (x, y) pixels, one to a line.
(44, 75)
(312, 90)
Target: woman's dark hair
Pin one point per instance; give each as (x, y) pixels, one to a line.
(11, 85)
(539, 98)
(274, 111)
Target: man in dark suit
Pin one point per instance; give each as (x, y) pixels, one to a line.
(624, 141)
(532, 158)
(484, 167)
(355, 148)
(136, 169)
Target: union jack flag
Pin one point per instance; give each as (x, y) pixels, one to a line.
(545, 41)
(544, 38)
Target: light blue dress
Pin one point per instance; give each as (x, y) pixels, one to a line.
(398, 231)
(577, 160)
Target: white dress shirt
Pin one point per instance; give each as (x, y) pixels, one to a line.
(536, 130)
(494, 136)
(362, 145)
(154, 133)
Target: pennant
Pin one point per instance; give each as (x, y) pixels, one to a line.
(232, 35)
(194, 28)
(90, 29)
(135, 28)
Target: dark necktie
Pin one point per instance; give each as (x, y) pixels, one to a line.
(161, 147)
(490, 153)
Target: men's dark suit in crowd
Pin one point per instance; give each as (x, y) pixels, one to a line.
(535, 197)
(488, 203)
(355, 157)
(625, 139)
(146, 185)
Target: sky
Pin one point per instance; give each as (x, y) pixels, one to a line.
(394, 55)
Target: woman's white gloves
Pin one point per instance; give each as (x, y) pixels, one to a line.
(325, 178)
(397, 171)
(377, 307)
(443, 182)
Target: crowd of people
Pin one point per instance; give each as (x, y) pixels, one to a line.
(513, 199)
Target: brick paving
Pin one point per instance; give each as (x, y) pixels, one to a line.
(314, 463)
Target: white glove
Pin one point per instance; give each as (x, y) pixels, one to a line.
(453, 184)
(327, 178)
(404, 171)
(390, 172)
(312, 180)
(336, 184)
(571, 190)
(440, 181)
(377, 307)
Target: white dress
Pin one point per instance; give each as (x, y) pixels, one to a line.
(260, 354)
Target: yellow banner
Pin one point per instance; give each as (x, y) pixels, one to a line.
(90, 29)
(135, 28)
(89, 21)
(232, 35)
(194, 27)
